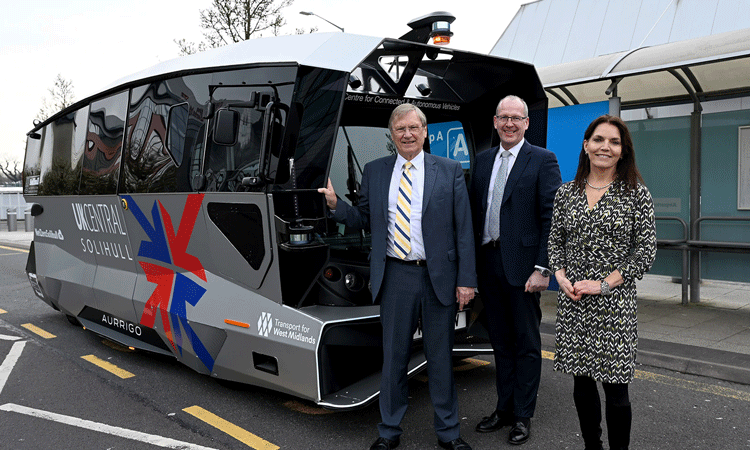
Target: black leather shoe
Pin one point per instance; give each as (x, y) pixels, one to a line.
(455, 444)
(382, 443)
(519, 434)
(494, 422)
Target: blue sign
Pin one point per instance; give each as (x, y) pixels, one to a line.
(565, 128)
(448, 140)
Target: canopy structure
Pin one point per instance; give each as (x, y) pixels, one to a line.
(701, 69)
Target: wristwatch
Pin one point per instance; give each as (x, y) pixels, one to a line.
(544, 271)
(605, 288)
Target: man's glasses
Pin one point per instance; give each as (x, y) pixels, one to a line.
(514, 119)
(414, 129)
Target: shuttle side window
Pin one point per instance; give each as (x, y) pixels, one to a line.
(258, 98)
(164, 144)
(32, 163)
(104, 138)
(318, 102)
(62, 154)
(227, 165)
(176, 131)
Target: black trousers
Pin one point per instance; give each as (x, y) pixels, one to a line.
(513, 318)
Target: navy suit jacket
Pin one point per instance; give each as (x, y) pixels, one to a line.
(526, 211)
(446, 223)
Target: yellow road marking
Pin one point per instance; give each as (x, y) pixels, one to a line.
(2, 311)
(231, 429)
(693, 385)
(14, 249)
(684, 384)
(471, 363)
(108, 366)
(39, 331)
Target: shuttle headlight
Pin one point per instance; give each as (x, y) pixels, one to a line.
(354, 281)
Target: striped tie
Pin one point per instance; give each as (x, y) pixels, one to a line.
(401, 240)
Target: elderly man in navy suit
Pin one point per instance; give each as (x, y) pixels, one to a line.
(422, 264)
(512, 192)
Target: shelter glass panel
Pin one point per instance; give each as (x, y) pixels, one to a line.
(662, 151)
(743, 178)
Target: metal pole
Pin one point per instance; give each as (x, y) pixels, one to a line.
(614, 106)
(12, 217)
(310, 13)
(695, 202)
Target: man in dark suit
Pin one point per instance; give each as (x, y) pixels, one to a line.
(512, 192)
(422, 264)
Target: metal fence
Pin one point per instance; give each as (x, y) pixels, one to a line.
(12, 197)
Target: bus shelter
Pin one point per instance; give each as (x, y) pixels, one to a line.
(691, 76)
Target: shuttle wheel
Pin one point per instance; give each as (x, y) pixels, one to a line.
(73, 320)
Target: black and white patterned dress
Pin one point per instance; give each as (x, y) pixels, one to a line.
(597, 335)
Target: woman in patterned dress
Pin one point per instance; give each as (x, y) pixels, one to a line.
(602, 239)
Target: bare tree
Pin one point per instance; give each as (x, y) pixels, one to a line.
(60, 97)
(303, 31)
(8, 174)
(230, 21)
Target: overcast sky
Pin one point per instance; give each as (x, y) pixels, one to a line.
(95, 42)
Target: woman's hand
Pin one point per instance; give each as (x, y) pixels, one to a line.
(566, 286)
(588, 287)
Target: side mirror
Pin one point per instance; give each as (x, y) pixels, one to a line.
(226, 129)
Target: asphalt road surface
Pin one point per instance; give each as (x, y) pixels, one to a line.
(62, 387)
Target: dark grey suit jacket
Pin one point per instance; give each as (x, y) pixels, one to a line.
(446, 223)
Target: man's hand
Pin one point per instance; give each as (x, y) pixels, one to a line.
(330, 194)
(536, 282)
(464, 296)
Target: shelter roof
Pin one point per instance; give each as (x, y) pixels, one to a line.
(707, 66)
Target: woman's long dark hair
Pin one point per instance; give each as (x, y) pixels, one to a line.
(627, 170)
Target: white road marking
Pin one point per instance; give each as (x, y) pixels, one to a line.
(102, 428)
(5, 337)
(10, 362)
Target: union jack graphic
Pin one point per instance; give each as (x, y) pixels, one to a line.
(168, 249)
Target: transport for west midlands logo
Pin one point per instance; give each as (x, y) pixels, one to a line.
(264, 324)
